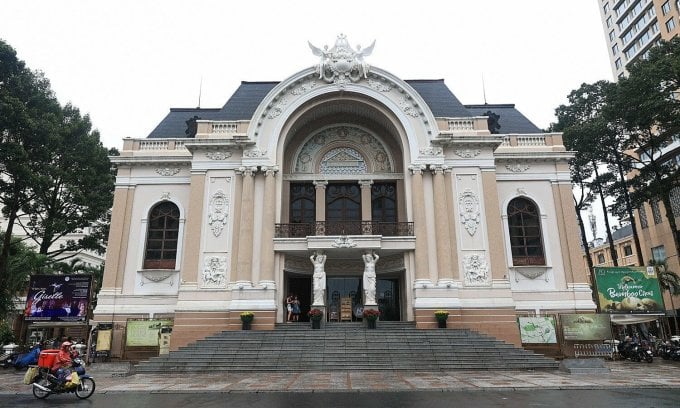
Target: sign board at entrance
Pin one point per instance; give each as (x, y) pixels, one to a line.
(628, 290)
(58, 298)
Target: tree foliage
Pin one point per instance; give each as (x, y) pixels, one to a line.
(55, 175)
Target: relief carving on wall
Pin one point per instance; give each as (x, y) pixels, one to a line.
(214, 272)
(468, 207)
(468, 153)
(168, 171)
(218, 155)
(476, 270)
(218, 212)
(517, 167)
(255, 153)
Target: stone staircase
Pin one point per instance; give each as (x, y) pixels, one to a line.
(346, 347)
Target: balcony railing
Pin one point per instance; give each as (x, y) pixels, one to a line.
(321, 228)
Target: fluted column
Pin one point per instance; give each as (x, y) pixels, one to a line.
(441, 214)
(320, 205)
(268, 220)
(420, 222)
(366, 214)
(245, 252)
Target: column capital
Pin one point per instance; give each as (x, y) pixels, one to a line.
(417, 168)
(320, 184)
(246, 171)
(270, 170)
(365, 183)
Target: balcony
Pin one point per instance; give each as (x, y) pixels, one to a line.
(323, 228)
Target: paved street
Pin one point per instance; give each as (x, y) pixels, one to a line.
(623, 375)
(620, 398)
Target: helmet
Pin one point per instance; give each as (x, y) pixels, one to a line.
(66, 344)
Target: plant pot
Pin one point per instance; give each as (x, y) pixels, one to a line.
(316, 324)
(245, 325)
(441, 323)
(370, 323)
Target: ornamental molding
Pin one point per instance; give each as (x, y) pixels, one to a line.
(218, 212)
(255, 153)
(165, 195)
(305, 87)
(531, 272)
(166, 172)
(517, 167)
(346, 157)
(214, 272)
(468, 208)
(343, 242)
(379, 86)
(476, 270)
(392, 263)
(151, 277)
(468, 153)
(408, 108)
(342, 64)
(433, 151)
(218, 155)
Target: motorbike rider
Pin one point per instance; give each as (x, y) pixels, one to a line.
(63, 362)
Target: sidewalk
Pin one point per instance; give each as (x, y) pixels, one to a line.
(111, 378)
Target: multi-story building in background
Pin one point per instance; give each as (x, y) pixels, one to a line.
(632, 27)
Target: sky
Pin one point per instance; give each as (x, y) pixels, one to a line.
(126, 63)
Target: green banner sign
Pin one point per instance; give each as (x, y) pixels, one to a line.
(628, 290)
(588, 326)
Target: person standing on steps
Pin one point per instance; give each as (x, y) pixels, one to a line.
(296, 309)
(289, 308)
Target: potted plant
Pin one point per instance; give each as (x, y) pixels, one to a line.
(315, 316)
(371, 315)
(246, 320)
(441, 316)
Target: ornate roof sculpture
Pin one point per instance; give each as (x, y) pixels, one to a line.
(342, 64)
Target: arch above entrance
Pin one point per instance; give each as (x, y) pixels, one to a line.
(396, 100)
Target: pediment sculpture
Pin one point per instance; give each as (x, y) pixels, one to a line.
(342, 64)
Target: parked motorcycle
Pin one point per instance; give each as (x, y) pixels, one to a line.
(44, 383)
(636, 352)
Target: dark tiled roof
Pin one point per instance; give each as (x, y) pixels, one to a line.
(248, 96)
(623, 232)
(440, 99)
(510, 119)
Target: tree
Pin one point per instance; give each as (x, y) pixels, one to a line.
(73, 191)
(669, 281)
(648, 103)
(28, 111)
(22, 262)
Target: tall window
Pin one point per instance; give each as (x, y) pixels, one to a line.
(656, 212)
(302, 203)
(161, 237)
(343, 202)
(659, 253)
(384, 202)
(526, 241)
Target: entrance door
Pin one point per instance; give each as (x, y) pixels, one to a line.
(387, 297)
(301, 286)
(343, 209)
(343, 287)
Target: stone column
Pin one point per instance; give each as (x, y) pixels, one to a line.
(236, 229)
(194, 225)
(320, 206)
(245, 252)
(119, 237)
(366, 214)
(420, 222)
(442, 215)
(494, 225)
(268, 221)
(450, 203)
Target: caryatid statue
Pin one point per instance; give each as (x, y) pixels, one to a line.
(370, 258)
(319, 278)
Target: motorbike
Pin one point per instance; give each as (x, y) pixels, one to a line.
(45, 383)
(636, 352)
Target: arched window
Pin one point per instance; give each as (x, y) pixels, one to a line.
(161, 237)
(526, 241)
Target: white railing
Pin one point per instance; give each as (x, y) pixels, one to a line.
(526, 140)
(153, 145)
(224, 128)
(459, 125)
(506, 141)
